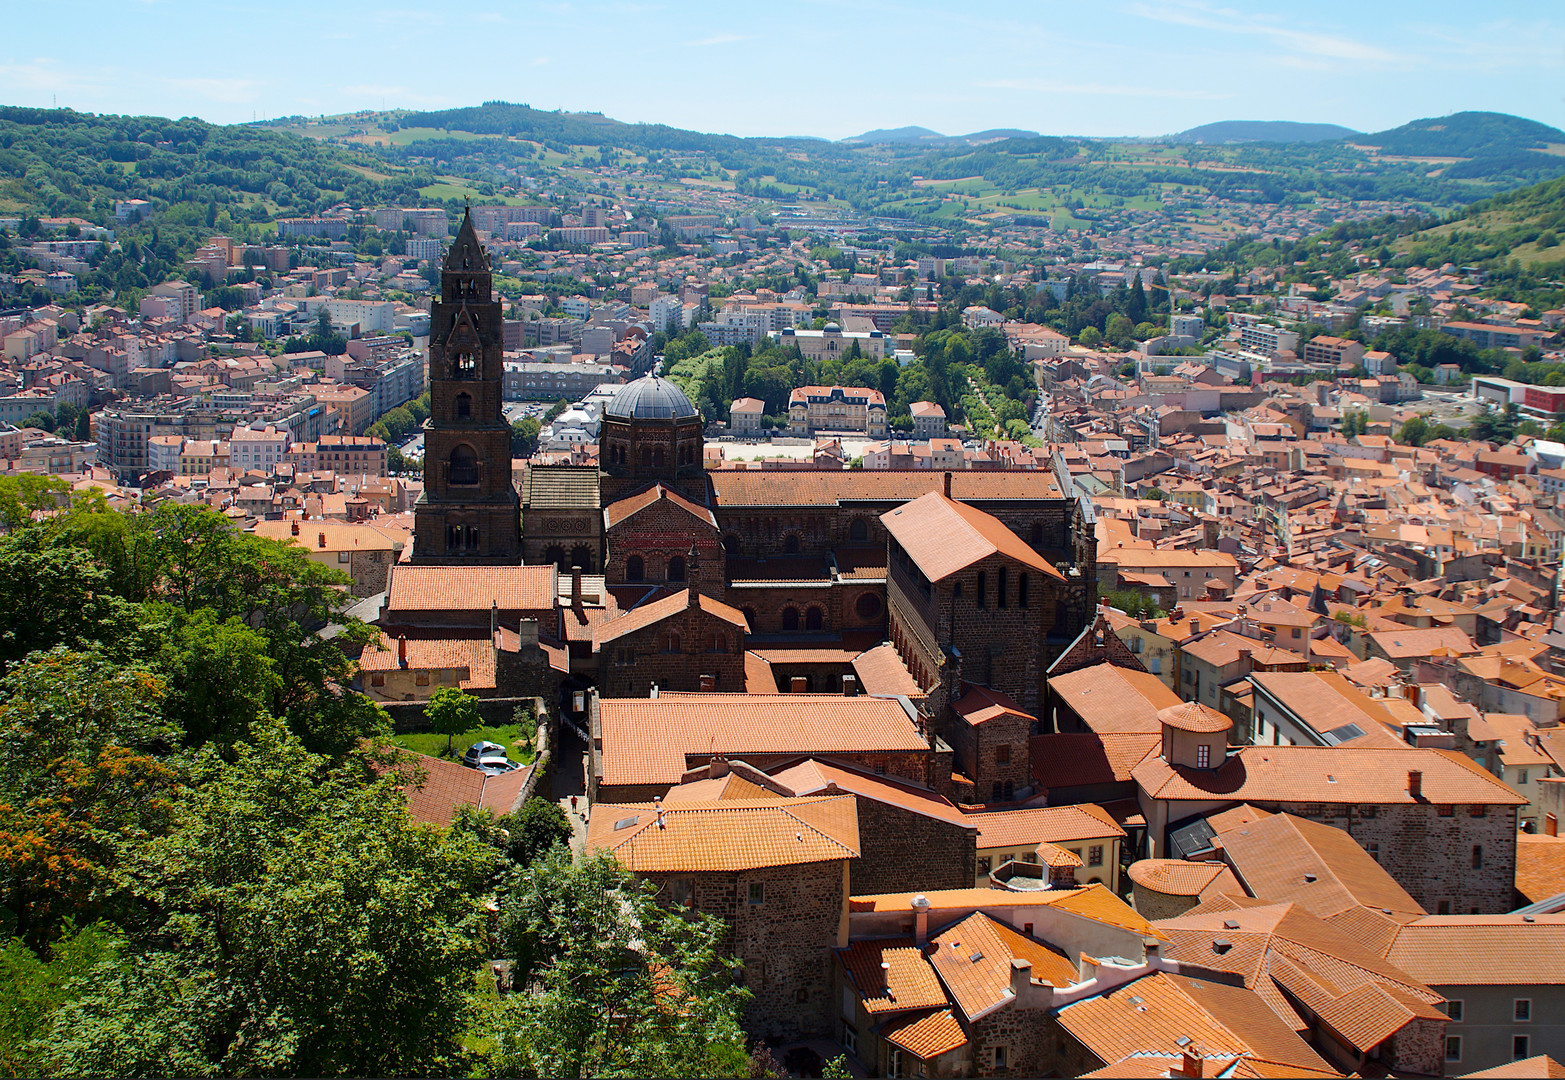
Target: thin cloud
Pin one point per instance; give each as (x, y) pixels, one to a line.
(718, 39)
(228, 91)
(1229, 21)
(1046, 86)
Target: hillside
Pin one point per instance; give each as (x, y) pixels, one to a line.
(1492, 144)
(1271, 131)
(1524, 225)
(904, 135)
(894, 135)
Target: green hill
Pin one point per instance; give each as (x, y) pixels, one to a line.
(1495, 145)
(1524, 225)
(1271, 131)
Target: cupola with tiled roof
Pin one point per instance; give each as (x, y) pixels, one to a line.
(1194, 736)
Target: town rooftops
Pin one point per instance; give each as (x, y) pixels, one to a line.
(646, 740)
(1193, 716)
(434, 796)
(906, 981)
(1112, 699)
(725, 835)
(1094, 901)
(980, 704)
(973, 958)
(648, 614)
(1177, 877)
(1043, 825)
(1299, 774)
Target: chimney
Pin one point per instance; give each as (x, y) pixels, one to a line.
(657, 804)
(322, 540)
(576, 588)
(1415, 783)
(295, 527)
(654, 691)
(1246, 663)
(850, 686)
(1191, 1065)
(708, 684)
(402, 652)
(1195, 625)
(693, 577)
(494, 617)
(1021, 977)
(947, 485)
(920, 920)
(798, 685)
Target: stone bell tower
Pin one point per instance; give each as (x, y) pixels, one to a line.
(469, 511)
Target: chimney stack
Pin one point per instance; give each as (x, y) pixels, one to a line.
(1246, 662)
(1195, 625)
(693, 577)
(798, 685)
(708, 684)
(1192, 1065)
(402, 652)
(947, 485)
(920, 920)
(322, 541)
(850, 686)
(295, 527)
(1415, 783)
(576, 588)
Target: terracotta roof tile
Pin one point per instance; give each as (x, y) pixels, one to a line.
(447, 785)
(646, 740)
(1175, 877)
(1042, 825)
(1112, 699)
(619, 510)
(1482, 950)
(980, 704)
(726, 835)
(1193, 716)
(736, 487)
(973, 959)
(1292, 774)
(427, 654)
(1083, 758)
(1090, 901)
(925, 1035)
(470, 588)
(1531, 1068)
(943, 536)
(908, 982)
(881, 671)
(1540, 866)
(639, 618)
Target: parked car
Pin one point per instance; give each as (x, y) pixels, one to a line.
(480, 750)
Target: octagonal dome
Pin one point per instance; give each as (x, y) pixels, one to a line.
(650, 398)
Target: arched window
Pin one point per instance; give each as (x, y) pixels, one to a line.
(791, 544)
(464, 406)
(672, 643)
(859, 530)
(646, 455)
(676, 568)
(462, 468)
(731, 543)
(465, 366)
(1000, 599)
(998, 791)
(556, 555)
(453, 537)
(581, 555)
(472, 538)
(790, 620)
(658, 458)
(813, 619)
(1037, 533)
(635, 569)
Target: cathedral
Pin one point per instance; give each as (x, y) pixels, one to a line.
(669, 575)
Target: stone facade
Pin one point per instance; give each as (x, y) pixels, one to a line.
(994, 754)
(469, 511)
(1019, 1036)
(782, 922)
(904, 851)
(652, 545)
(673, 654)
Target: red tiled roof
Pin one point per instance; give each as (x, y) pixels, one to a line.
(728, 834)
(619, 510)
(1112, 700)
(736, 488)
(980, 704)
(426, 654)
(646, 740)
(926, 1035)
(1076, 759)
(943, 536)
(446, 785)
(649, 614)
(881, 671)
(470, 588)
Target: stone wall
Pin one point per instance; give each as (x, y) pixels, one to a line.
(1153, 905)
(673, 654)
(1418, 1049)
(784, 940)
(658, 534)
(902, 851)
(1024, 1036)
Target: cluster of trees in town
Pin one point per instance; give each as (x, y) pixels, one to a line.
(207, 866)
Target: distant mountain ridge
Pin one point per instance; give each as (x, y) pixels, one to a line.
(1274, 131)
(914, 134)
(1465, 134)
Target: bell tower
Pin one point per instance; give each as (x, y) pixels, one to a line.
(469, 511)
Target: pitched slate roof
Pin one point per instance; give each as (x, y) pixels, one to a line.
(943, 536)
(738, 834)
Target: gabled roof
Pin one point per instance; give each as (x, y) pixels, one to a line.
(1043, 825)
(907, 982)
(738, 834)
(619, 510)
(943, 536)
(1482, 950)
(1113, 699)
(1084, 758)
(973, 959)
(748, 487)
(927, 1035)
(447, 785)
(815, 777)
(650, 614)
(980, 704)
(470, 588)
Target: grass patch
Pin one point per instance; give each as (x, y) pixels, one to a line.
(427, 742)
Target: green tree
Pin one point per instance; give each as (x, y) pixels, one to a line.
(1414, 431)
(616, 985)
(524, 437)
(451, 712)
(33, 989)
(536, 829)
(301, 923)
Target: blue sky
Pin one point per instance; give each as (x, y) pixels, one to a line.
(810, 67)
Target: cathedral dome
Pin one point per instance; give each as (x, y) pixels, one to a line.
(650, 398)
